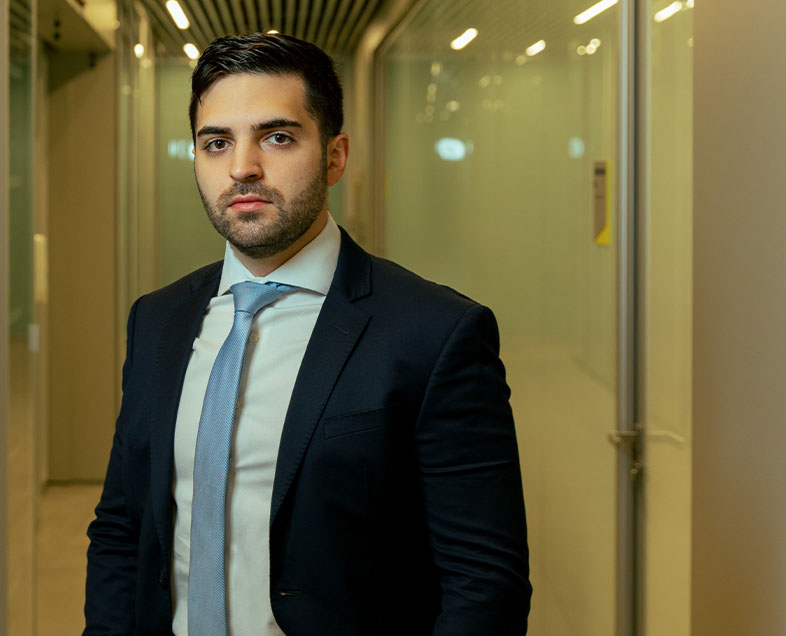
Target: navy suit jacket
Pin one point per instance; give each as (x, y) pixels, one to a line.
(397, 505)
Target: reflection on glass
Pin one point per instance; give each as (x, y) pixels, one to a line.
(669, 324)
(21, 494)
(512, 225)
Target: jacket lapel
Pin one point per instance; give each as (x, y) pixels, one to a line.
(337, 330)
(179, 330)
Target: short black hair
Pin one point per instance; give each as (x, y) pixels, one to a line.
(273, 54)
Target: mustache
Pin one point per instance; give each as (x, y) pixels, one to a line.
(244, 189)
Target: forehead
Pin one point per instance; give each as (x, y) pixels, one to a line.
(254, 95)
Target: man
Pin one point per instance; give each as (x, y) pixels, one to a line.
(341, 461)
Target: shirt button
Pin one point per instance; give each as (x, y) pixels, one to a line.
(255, 337)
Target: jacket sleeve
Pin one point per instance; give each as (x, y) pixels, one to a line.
(112, 554)
(470, 478)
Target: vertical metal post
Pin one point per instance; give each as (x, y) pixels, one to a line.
(633, 197)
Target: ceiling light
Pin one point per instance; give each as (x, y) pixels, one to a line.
(139, 50)
(672, 9)
(595, 9)
(465, 38)
(176, 11)
(191, 50)
(536, 48)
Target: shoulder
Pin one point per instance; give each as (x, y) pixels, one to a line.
(388, 277)
(360, 275)
(199, 282)
(405, 303)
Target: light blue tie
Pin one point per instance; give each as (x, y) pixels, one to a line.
(207, 615)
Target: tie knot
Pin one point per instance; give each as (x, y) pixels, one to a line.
(251, 297)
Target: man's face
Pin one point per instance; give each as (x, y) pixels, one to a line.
(261, 168)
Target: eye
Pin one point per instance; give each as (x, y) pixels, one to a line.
(279, 139)
(216, 145)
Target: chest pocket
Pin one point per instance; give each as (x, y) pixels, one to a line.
(360, 422)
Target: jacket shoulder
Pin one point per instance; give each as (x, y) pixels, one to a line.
(387, 274)
(382, 283)
(183, 287)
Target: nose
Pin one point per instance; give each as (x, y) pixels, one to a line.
(246, 162)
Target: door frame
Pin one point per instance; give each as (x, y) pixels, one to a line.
(633, 201)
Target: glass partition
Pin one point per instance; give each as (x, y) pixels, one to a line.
(186, 238)
(500, 164)
(23, 334)
(136, 166)
(669, 322)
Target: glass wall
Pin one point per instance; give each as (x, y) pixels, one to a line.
(669, 322)
(500, 173)
(136, 176)
(187, 240)
(23, 332)
(500, 164)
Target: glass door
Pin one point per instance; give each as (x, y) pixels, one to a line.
(500, 153)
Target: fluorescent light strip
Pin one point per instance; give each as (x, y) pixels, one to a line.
(465, 38)
(594, 10)
(176, 11)
(664, 14)
(191, 50)
(536, 48)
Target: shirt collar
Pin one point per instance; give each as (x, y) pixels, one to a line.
(311, 268)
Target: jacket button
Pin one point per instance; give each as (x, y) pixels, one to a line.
(163, 579)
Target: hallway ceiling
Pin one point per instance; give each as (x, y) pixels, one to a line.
(335, 25)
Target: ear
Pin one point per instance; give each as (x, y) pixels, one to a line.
(337, 153)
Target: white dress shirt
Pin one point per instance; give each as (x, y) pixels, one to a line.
(275, 350)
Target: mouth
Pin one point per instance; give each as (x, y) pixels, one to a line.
(249, 203)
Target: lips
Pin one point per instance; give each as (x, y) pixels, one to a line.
(248, 203)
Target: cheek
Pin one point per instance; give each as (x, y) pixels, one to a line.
(292, 178)
(206, 179)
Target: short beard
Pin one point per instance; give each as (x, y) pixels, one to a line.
(254, 237)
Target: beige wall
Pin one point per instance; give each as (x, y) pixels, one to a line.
(739, 516)
(83, 366)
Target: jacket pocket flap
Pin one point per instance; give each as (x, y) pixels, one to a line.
(358, 422)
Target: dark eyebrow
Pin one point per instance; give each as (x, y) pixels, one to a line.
(277, 123)
(259, 127)
(213, 130)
